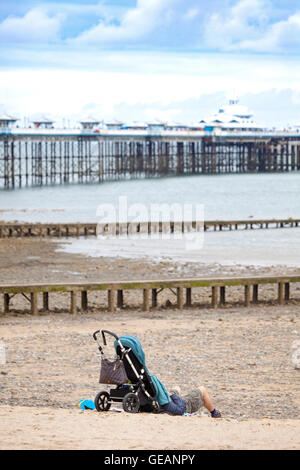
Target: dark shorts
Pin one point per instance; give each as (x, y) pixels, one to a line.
(193, 401)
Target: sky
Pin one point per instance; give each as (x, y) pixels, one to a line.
(139, 60)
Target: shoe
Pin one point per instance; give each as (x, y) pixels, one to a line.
(216, 414)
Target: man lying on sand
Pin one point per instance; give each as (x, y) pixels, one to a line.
(190, 403)
(169, 403)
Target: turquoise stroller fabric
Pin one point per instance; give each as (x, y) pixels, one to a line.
(136, 347)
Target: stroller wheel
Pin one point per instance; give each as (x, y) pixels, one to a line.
(101, 401)
(131, 403)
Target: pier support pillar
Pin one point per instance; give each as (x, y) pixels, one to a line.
(214, 296)
(111, 300)
(6, 303)
(222, 295)
(247, 296)
(146, 298)
(179, 297)
(154, 298)
(120, 299)
(280, 293)
(46, 301)
(73, 309)
(84, 300)
(255, 294)
(287, 291)
(33, 301)
(188, 296)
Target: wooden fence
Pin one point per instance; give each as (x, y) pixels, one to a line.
(151, 289)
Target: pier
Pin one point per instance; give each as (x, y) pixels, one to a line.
(40, 159)
(20, 230)
(151, 290)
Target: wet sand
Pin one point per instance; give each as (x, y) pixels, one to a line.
(36, 260)
(257, 247)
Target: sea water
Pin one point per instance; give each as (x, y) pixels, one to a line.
(224, 197)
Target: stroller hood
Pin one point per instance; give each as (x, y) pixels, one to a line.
(136, 347)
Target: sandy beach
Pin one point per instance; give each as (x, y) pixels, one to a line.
(174, 124)
(243, 356)
(29, 428)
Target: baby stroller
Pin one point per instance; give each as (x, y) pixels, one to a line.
(136, 392)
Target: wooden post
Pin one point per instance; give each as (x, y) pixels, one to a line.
(111, 300)
(255, 293)
(46, 300)
(120, 299)
(73, 303)
(214, 296)
(286, 291)
(179, 297)
(188, 296)
(6, 303)
(247, 295)
(34, 307)
(154, 298)
(222, 295)
(280, 293)
(84, 300)
(146, 297)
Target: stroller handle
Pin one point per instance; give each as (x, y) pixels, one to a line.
(95, 334)
(103, 335)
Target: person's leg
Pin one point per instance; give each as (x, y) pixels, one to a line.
(206, 399)
(193, 400)
(196, 399)
(208, 403)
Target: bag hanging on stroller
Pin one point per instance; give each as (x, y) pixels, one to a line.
(112, 372)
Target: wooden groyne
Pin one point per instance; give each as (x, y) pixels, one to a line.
(15, 230)
(40, 160)
(151, 289)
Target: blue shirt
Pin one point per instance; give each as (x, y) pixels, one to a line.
(176, 406)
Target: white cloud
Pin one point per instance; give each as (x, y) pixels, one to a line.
(191, 14)
(35, 26)
(155, 86)
(281, 36)
(248, 27)
(239, 25)
(245, 20)
(136, 23)
(230, 25)
(169, 114)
